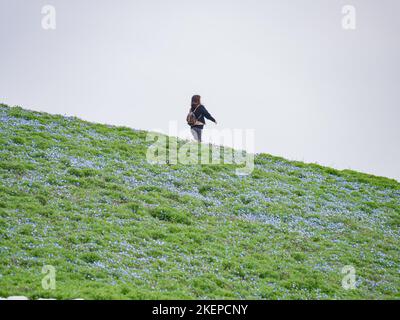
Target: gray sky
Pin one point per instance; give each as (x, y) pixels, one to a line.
(311, 90)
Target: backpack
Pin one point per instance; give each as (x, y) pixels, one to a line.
(191, 118)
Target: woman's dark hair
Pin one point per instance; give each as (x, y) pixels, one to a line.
(195, 101)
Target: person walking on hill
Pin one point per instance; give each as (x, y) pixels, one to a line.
(196, 117)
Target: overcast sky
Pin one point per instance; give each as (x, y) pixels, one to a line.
(311, 90)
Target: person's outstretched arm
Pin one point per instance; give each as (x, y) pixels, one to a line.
(207, 114)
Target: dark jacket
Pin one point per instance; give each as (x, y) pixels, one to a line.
(201, 113)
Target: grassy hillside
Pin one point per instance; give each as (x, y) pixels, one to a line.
(81, 197)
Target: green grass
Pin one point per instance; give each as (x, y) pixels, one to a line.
(81, 197)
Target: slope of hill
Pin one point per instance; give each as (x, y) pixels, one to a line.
(81, 197)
